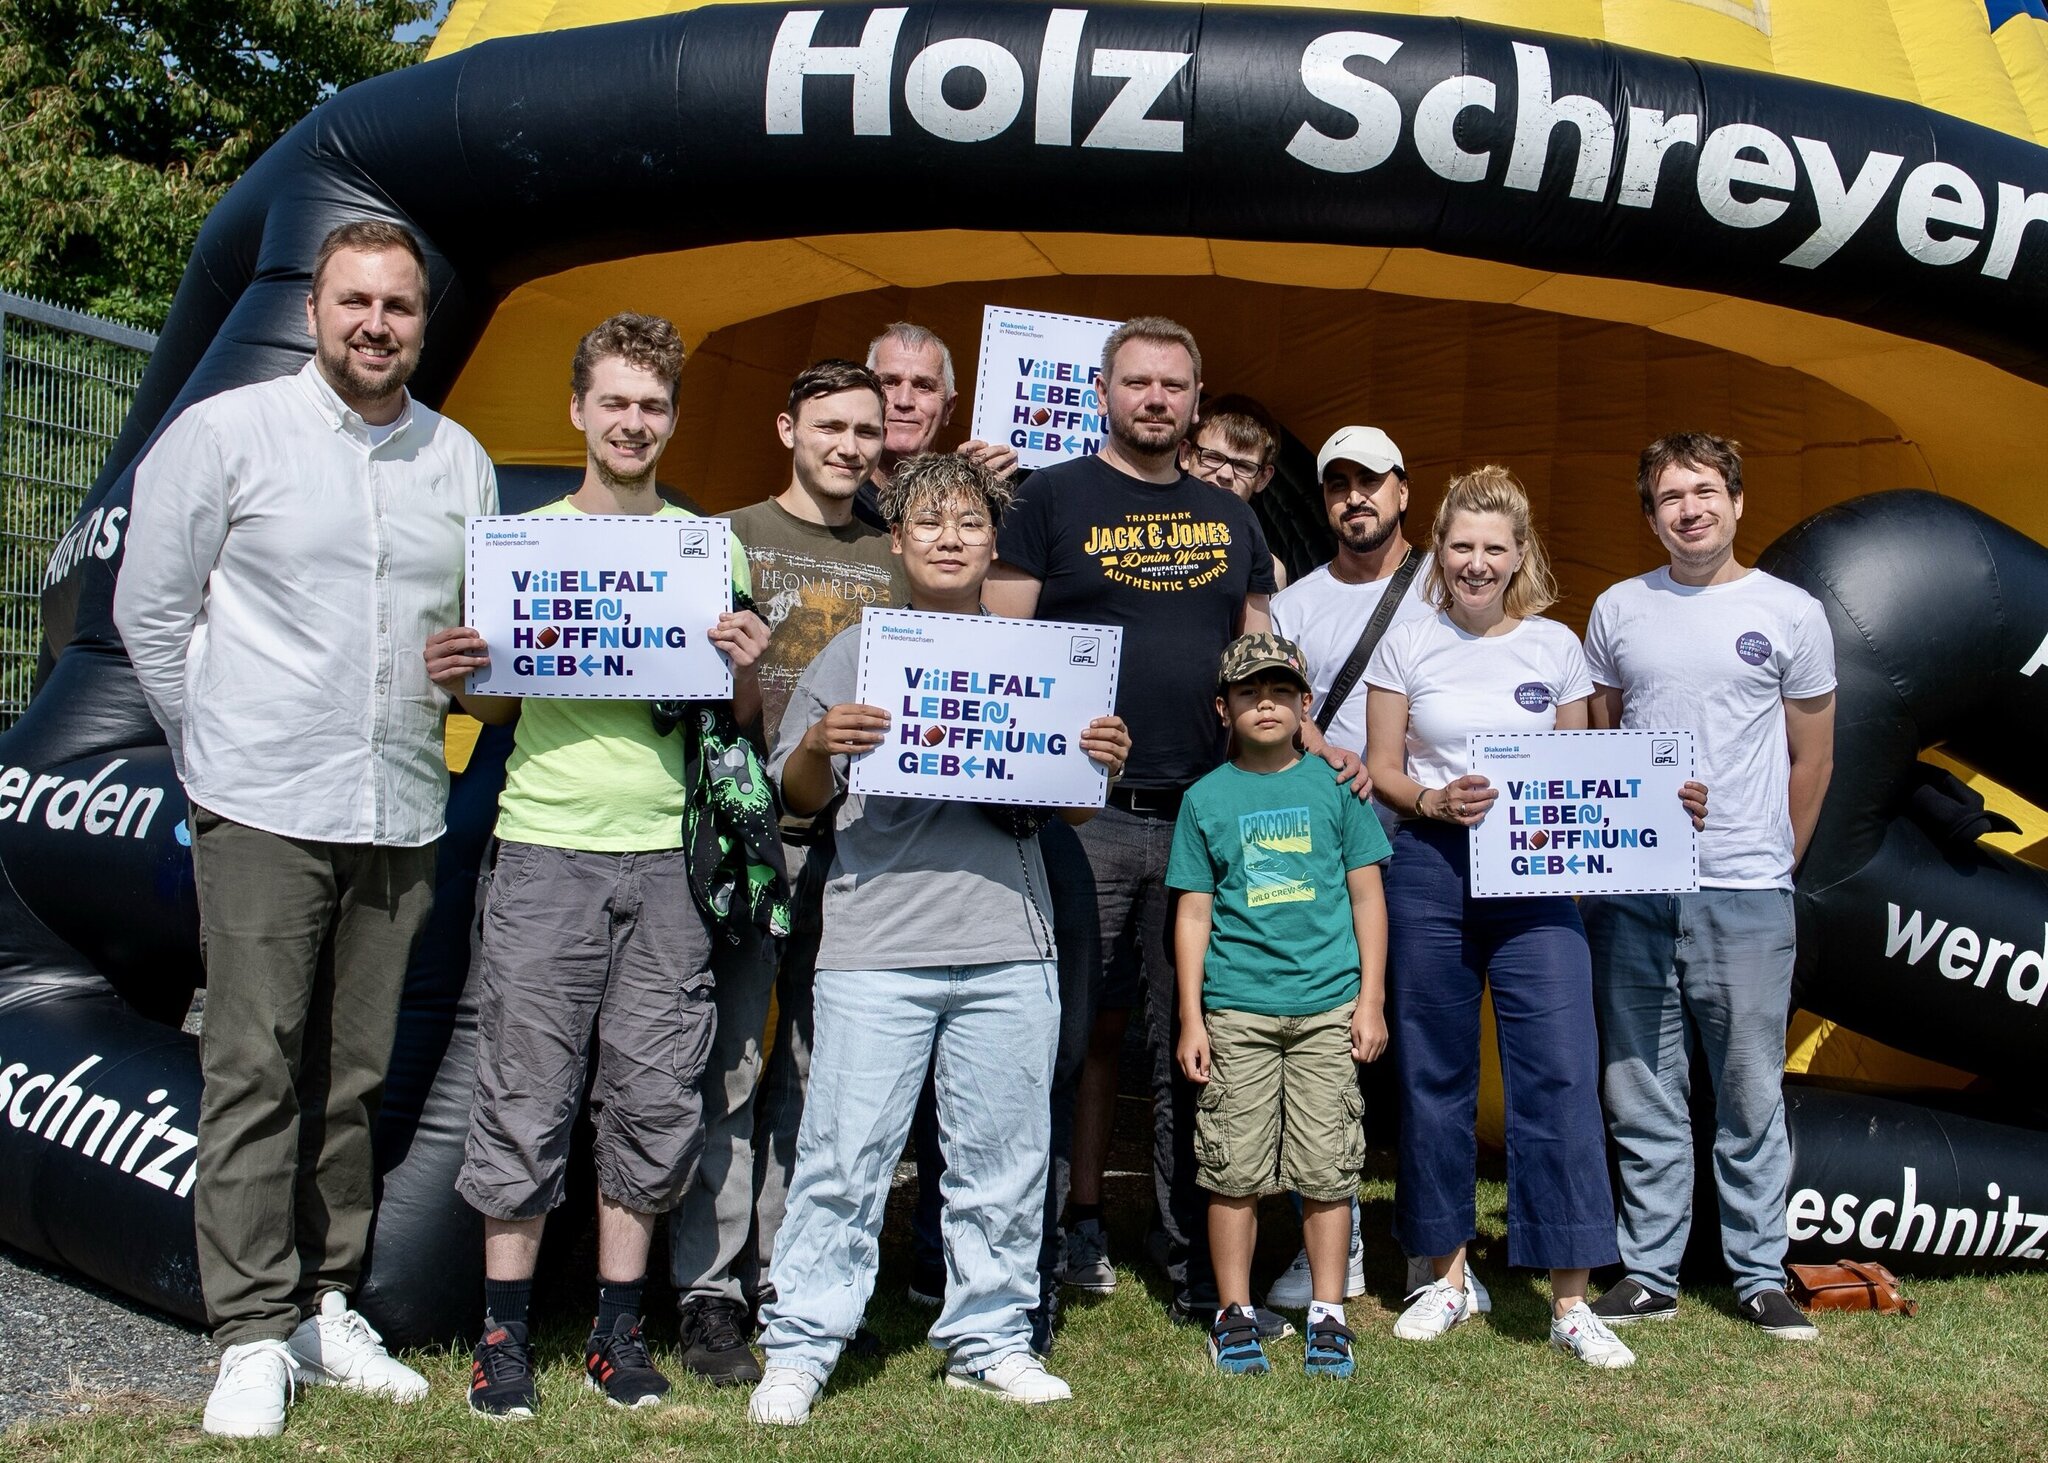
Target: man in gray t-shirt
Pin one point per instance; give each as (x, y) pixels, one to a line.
(904, 870)
(937, 942)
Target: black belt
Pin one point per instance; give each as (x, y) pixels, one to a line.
(1147, 802)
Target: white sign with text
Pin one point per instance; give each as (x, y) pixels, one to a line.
(1585, 812)
(1037, 387)
(592, 606)
(985, 709)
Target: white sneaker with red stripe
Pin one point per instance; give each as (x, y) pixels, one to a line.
(1580, 1333)
(1433, 1310)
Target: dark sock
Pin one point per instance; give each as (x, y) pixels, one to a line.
(616, 1299)
(1079, 1213)
(508, 1300)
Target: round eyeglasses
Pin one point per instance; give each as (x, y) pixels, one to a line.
(928, 528)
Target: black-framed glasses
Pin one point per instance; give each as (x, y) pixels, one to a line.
(1214, 461)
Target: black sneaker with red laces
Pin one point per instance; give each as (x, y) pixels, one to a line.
(501, 1372)
(618, 1366)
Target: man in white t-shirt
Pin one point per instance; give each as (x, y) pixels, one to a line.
(1365, 495)
(1746, 663)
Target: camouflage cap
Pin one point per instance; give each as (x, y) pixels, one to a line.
(1247, 655)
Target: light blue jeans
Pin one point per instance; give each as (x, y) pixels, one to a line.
(989, 1033)
(1666, 967)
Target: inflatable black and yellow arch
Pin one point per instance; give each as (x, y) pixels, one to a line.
(1532, 245)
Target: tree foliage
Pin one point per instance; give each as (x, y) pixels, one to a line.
(122, 122)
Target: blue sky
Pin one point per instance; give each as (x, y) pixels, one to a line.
(425, 27)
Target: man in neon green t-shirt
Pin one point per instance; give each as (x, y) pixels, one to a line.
(590, 923)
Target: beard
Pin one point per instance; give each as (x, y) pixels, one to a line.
(341, 368)
(1366, 534)
(620, 482)
(1125, 431)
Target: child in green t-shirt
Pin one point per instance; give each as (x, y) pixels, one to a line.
(1281, 945)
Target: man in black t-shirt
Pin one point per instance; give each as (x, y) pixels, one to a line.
(1126, 538)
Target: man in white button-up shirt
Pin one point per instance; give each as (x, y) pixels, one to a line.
(292, 545)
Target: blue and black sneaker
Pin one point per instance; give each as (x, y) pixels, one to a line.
(1234, 1343)
(617, 1364)
(1326, 1351)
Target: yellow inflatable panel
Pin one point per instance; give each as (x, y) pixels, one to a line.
(2023, 48)
(1818, 1048)
(458, 740)
(1562, 377)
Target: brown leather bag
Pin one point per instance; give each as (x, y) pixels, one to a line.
(1849, 1285)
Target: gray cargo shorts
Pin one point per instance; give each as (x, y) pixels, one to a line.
(576, 944)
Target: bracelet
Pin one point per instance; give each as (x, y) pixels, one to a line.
(1420, 794)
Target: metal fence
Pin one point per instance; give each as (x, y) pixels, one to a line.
(66, 382)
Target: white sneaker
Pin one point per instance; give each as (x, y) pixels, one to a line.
(1017, 1376)
(1481, 1301)
(1294, 1289)
(253, 1390)
(1084, 1259)
(335, 1347)
(1420, 1273)
(1580, 1333)
(1432, 1311)
(783, 1397)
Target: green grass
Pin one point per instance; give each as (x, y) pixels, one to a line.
(1967, 1378)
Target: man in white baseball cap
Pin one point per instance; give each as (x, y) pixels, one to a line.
(1365, 497)
(1371, 449)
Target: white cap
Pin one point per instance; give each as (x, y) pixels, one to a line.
(1369, 447)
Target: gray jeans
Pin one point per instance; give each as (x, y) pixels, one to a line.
(707, 1234)
(779, 1110)
(1125, 857)
(306, 945)
(1666, 968)
(779, 1104)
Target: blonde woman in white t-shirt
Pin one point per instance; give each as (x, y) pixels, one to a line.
(1486, 662)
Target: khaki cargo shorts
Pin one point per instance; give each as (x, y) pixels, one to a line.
(1282, 1110)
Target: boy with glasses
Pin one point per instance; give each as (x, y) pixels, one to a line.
(1234, 446)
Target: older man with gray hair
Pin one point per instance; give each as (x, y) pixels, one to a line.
(919, 394)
